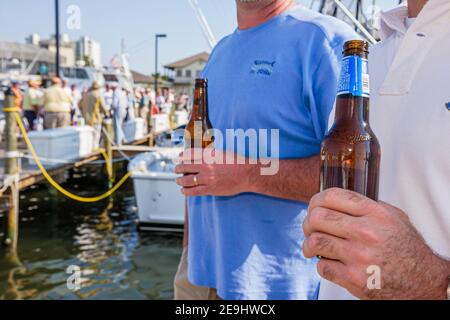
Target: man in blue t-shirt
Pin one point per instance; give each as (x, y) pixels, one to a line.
(277, 73)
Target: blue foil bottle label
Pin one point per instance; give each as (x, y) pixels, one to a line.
(354, 77)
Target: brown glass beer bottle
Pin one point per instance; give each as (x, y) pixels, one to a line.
(350, 152)
(199, 133)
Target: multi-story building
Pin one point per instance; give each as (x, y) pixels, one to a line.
(184, 72)
(88, 48)
(66, 47)
(74, 52)
(18, 59)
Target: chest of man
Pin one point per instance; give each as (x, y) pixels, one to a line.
(412, 122)
(262, 87)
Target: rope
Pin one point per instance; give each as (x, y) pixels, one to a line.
(14, 109)
(114, 144)
(107, 159)
(59, 161)
(52, 182)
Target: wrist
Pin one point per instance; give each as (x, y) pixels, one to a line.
(250, 174)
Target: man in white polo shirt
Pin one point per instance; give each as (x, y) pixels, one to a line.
(400, 248)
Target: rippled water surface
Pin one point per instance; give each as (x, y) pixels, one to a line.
(117, 261)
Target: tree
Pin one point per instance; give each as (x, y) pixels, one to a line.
(88, 62)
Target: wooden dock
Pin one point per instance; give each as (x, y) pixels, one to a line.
(30, 173)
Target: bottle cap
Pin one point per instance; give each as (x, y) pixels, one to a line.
(356, 45)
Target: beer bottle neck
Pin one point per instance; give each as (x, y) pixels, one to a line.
(352, 109)
(352, 103)
(200, 108)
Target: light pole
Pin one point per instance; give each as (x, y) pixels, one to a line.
(57, 35)
(157, 36)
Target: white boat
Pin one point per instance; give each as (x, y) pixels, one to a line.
(159, 200)
(82, 77)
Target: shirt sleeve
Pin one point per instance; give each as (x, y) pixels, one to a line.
(325, 79)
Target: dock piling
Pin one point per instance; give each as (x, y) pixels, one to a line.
(108, 125)
(11, 169)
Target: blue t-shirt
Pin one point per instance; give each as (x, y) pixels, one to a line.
(279, 75)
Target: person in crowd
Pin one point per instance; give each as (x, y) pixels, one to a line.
(171, 110)
(17, 92)
(131, 99)
(160, 100)
(399, 247)
(184, 102)
(169, 98)
(243, 229)
(155, 109)
(32, 102)
(76, 98)
(107, 96)
(93, 109)
(152, 95)
(65, 86)
(137, 101)
(57, 106)
(144, 106)
(119, 106)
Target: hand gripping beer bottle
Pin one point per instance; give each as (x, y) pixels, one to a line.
(199, 133)
(350, 152)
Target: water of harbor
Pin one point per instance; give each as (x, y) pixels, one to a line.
(116, 260)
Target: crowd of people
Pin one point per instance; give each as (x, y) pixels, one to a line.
(62, 105)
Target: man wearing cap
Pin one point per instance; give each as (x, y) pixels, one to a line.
(57, 105)
(399, 247)
(92, 107)
(32, 102)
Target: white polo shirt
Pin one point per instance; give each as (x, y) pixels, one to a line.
(410, 114)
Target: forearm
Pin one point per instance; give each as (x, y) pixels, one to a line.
(296, 179)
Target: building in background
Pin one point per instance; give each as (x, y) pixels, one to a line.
(183, 73)
(67, 47)
(33, 39)
(83, 52)
(18, 60)
(143, 81)
(88, 52)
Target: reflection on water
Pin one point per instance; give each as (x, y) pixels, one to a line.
(116, 261)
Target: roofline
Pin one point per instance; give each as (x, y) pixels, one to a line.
(186, 61)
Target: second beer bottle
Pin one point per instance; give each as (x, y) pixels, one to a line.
(199, 133)
(351, 152)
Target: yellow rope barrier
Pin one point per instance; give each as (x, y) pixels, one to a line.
(52, 182)
(15, 109)
(105, 156)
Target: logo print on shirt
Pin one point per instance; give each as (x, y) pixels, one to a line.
(262, 67)
(447, 105)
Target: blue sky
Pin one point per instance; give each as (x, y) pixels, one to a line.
(135, 21)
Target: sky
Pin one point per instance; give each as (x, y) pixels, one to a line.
(134, 21)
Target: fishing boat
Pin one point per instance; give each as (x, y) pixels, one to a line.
(159, 200)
